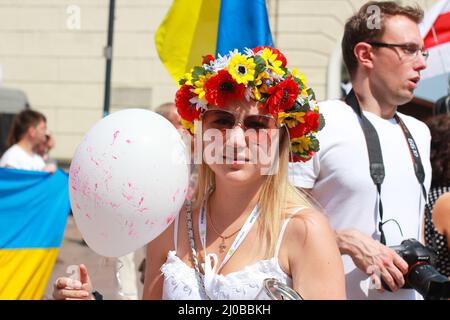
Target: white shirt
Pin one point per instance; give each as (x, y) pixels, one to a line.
(180, 280)
(18, 158)
(340, 180)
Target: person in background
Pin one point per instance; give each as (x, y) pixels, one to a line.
(44, 149)
(169, 111)
(437, 214)
(384, 64)
(27, 133)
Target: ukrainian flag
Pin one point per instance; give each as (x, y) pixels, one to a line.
(194, 28)
(33, 213)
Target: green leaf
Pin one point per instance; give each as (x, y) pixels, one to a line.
(311, 94)
(321, 122)
(198, 71)
(260, 65)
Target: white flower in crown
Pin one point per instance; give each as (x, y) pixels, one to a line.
(199, 103)
(249, 52)
(220, 63)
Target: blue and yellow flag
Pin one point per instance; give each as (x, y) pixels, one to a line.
(33, 213)
(194, 28)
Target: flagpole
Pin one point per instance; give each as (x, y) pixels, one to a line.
(108, 55)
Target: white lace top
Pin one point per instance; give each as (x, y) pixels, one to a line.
(180, 281)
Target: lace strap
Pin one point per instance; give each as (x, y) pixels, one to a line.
(283, 229)
(190, 230)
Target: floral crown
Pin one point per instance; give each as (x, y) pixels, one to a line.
(258, 74)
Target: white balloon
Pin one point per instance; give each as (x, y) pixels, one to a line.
(128, 180)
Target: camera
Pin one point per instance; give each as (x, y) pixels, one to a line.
(422, 276)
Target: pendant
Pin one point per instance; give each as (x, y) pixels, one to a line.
(222, 246)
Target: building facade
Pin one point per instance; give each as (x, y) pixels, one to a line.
(53, 50)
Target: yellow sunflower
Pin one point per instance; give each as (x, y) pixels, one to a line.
(242, 69)
(200, 86)
(302, 78)
(291, 118)
(271, 61)
(301, 144)
(188, 77)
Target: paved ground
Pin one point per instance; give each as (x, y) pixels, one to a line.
(101, 269)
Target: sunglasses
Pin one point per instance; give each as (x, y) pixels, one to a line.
(224, 119)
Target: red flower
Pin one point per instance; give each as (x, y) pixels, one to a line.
(296, 158)
(299, 130)
(311, 124)
(207, 59)
(280, 56)
(222, 88)
(186, 110)
(312, 120)
(282, 96)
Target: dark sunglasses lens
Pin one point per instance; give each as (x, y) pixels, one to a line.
(257, 122)
(218, 119)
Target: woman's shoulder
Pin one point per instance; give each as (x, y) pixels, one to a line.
(307, 223)
(441, 214)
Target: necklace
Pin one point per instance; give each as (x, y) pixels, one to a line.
(222, 245)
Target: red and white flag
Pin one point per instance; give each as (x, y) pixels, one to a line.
(435, 30)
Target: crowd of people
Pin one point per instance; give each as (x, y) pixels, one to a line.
(380, 177)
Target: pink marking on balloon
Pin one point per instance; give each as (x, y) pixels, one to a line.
(114, 157)
(113, 205)
(109, 177)
(95, 161)
(85, 190)
(129, 197)
(128, 141)
(174, 196)
(74, 172)
(96, 186)
(141, 201)
(170, 219)
(142, 210)
(130, 185)
(148, 222)
(77, 206)
(98, 199)
(89, 149)
(87, 215)
(115, 134)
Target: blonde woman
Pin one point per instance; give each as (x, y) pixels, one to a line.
(247, 223)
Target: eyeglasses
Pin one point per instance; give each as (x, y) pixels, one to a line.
(224, 119)
(411, 50)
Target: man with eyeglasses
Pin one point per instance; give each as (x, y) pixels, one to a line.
(370, 213)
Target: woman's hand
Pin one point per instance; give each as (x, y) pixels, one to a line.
(71, 289)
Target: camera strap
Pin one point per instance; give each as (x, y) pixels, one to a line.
(377, 172)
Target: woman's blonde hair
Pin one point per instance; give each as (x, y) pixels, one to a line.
(276, 197)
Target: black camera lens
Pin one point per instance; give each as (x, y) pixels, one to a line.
(422, 276)
(426, 280)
